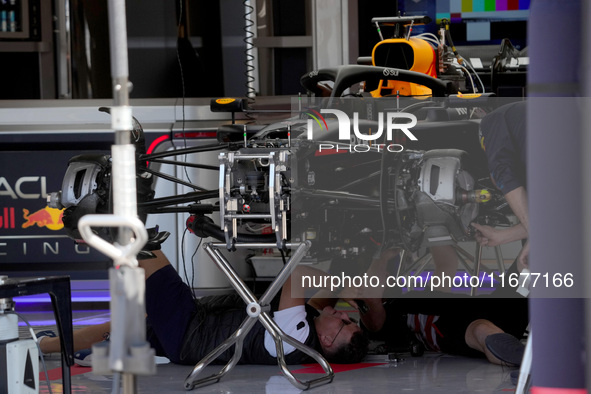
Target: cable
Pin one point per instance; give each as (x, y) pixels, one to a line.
(192, 262)
(283, 257)
(193, 266)
(450, 41)
(429, 37)
(38, 348)
(255, 230)
(429, 40)
(477, 76)
(185, 264)
(469, 76)
(427, 34)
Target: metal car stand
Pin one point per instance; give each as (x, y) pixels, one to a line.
(258, 310)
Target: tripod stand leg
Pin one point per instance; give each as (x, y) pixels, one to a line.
(237, 338)
(279, 337)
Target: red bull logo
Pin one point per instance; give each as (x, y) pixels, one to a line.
(50, 218)
(7, 218)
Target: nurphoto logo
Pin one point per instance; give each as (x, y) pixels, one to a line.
(358, 141)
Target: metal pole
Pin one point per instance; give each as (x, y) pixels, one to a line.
(128, 352)
(124, 194)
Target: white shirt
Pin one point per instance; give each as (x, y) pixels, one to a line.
(293, 322)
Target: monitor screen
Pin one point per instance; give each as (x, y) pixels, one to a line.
(474, 22)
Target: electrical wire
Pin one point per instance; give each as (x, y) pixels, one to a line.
(460, 58)
(34, 336)
(190, 284)
(193, 266)
(475, 73)
(434, 43)
(427, 34)
(450, 41)
(429, 37)
(469, 76)
(255, 230)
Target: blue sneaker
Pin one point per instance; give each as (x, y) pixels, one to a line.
(41, 335)
(84, 357)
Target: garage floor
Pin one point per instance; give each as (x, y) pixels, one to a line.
(431, 373)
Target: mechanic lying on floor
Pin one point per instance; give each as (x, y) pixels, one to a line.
(185, 330)
(490, 325)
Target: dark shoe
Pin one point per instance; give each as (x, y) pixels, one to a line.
(84, 357)
(506, 348)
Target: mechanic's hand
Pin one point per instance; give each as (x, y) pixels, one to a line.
(487, 235)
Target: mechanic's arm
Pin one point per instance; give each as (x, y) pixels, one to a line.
(294, 293)
(517, 199)
(288, 299)
(490, 236)
(291, 315)
(375, 317)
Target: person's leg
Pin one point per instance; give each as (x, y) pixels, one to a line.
(83, 338)
(152, 265)
(170, 306)
(476, 334)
